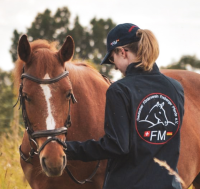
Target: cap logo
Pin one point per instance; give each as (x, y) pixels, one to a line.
(131, 28)
(114, 42)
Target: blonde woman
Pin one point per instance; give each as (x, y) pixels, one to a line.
(143, 116)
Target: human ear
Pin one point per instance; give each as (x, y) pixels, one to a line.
(123, 53)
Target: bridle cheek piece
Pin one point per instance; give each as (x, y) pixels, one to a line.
(51, 134)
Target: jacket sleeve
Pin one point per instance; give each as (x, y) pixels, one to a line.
(115, 142)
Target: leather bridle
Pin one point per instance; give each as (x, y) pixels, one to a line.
(51, 134)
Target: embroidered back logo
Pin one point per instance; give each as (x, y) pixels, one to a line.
(157, 119)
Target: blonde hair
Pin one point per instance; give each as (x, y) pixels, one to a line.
(146, 49)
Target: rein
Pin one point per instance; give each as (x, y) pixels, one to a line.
(51, 134)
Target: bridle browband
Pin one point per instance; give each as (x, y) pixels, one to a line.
(45, 81)
(51, 134)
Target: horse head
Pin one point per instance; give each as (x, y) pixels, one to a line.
(46, 93)
(158, 113)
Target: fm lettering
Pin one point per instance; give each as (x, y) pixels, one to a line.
(158, 134)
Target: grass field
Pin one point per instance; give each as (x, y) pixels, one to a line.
(11, 175)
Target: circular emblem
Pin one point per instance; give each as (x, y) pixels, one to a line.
(157, 119)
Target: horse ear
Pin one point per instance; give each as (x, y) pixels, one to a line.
(24, 49)
(67, 50)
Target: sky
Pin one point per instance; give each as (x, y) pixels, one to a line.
(175, 23)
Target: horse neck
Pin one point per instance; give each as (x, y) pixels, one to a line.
(89, 88)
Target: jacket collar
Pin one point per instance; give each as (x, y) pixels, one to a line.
(132, 69)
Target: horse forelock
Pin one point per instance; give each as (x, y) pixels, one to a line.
(40, 43)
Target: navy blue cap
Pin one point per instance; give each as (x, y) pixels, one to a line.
(121, 35)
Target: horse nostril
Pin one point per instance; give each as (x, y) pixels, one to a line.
(43, 162)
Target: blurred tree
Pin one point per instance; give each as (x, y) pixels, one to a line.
(81, 38)
(13, 48)
(100, 29)
(61, 24)
(186, 62)
(42, 27)
(90, 42)
(6, 100)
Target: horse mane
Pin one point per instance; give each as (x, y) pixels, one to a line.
(83, 69)
(86, 64)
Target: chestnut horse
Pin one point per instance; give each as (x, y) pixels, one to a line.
(47, 108)
(189, 160)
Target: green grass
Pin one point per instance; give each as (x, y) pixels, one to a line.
(11, 174)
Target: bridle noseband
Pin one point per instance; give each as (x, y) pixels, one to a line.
(51, 134)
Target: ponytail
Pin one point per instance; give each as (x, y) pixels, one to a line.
(146, 49)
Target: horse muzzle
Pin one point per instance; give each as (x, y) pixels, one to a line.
(53, 168)
(51, 151)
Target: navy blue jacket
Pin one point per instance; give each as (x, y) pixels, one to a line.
(143, 116)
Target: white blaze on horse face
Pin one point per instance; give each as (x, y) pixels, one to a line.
(50, 122)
